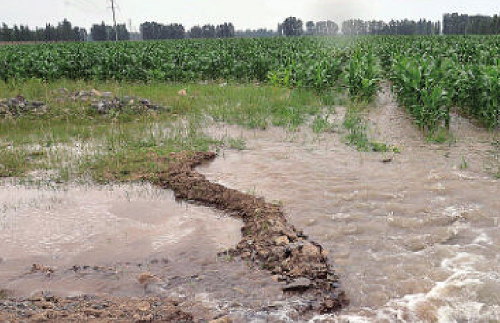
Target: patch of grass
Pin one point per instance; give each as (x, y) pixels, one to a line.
(357, 135)
(248, 105)
(356, 127)
(3, 294)
(72, 142)
(440, 136)
(236, 143)
(464, 164)
(380, 147)
(321, 124)
(134, 155)
(13, 162)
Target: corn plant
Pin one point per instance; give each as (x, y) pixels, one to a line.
(362, 76)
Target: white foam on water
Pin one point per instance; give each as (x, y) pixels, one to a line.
(483, 239)
(467, 295)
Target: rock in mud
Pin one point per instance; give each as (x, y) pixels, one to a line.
(106, 106)
(106, 102)
(224, 319)
(300, 284)
(41, 268)
(148, 278)
(18, 106)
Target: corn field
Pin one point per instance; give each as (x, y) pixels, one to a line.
(430, 75)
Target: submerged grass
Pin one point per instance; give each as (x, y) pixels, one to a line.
(357, 131)
(71, 141)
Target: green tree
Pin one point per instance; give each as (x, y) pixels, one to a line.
(292, 26)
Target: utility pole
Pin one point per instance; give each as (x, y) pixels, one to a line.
(114, 19)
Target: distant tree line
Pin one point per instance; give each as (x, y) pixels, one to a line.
(357, 27)
(455, 24)
(321, 28)
(256, 33)
(225, 30)
(292, 26)
(64, 31)
(452, 24)
(154, 30)
(103, 32)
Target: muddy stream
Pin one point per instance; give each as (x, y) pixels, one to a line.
(413, 240)
(416, 239)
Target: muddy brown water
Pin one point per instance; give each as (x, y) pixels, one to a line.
(99, 240)
(414, 240)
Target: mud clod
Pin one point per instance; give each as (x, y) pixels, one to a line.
(268, 239)
(298, 285)
(37, 268)
(106, 102)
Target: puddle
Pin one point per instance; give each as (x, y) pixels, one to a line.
(100, 239)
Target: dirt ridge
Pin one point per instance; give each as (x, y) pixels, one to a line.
(47, 308)
(268, 239)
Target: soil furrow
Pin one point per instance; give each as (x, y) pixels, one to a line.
(268, 239)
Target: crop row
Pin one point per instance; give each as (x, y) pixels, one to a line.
(430, 75)
(433, 75)
(292, 62)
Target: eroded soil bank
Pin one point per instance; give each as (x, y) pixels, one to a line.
(268, 238)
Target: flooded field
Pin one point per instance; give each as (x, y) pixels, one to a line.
(413, 235)
(414, 240)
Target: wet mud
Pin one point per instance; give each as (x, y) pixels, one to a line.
(48, 308)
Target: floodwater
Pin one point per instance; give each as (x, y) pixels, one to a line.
(98, 240)
(414, 235)
(414, 240)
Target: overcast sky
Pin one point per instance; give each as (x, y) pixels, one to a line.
(243, 13)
